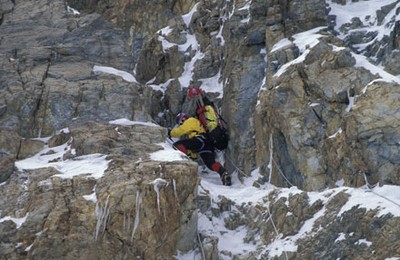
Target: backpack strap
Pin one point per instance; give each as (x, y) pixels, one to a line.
(201, 100)
(200, 112)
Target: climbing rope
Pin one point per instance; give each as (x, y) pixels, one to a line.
(276, 230)
(238, 169)
(269, 212)
(281, 173)
(201, 246)
(246, 175)
(377, 194)
(234, 166)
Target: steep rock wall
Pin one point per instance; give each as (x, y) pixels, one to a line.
(137, 208)
(317, 123)
(47, 78)
(315, 133)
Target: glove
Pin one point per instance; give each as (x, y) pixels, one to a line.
(169, 133)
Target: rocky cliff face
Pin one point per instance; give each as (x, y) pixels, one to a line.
(311, 100)
(136, 207)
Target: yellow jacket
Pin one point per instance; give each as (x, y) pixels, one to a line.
(191, 127)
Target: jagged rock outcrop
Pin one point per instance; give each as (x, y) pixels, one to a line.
(318, 131)
(14, 147)
(380, 48)
(300, 225)
(47, 78)
(138, 208)
(139, 19)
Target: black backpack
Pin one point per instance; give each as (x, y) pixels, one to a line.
(219, 137)
(210, 118)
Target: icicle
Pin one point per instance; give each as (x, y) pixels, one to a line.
(158, 184)
(366, 181)
(137, 220)
(174, 183)
(271, 148)
(123, 225)
(99, 213)
(106, 217)
(339, 131)
(351, 101)
(102, 215)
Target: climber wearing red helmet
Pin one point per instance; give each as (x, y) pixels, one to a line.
(197, 143)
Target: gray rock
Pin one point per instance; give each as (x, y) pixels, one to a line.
(304, 120)
(378, 132)
(126, 213)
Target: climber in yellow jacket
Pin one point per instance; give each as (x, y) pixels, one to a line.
(198, 143)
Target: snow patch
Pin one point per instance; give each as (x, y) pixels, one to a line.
(304, 41)
(366, 11)
(281, 44)
(385, 198)
(161, 87)
(29, 248)
(92, 164)
(284, 67)
(72, 10)
(127, 122)
(341, 237)
(308, 39)
(120, 73)
(362, 61)
(364, 242)
(213, 85)
(91, 197)
(339, 131)
(167, 154)
(187, 18)
(339, 183)
(17, 221)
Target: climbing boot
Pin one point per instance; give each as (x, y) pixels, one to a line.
(226, 179)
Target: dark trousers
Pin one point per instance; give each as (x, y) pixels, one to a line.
(202, 147)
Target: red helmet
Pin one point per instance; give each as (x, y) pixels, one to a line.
(194, 91)
(181, 117)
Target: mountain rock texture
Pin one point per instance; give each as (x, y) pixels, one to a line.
(139, 207)
(309, 103)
